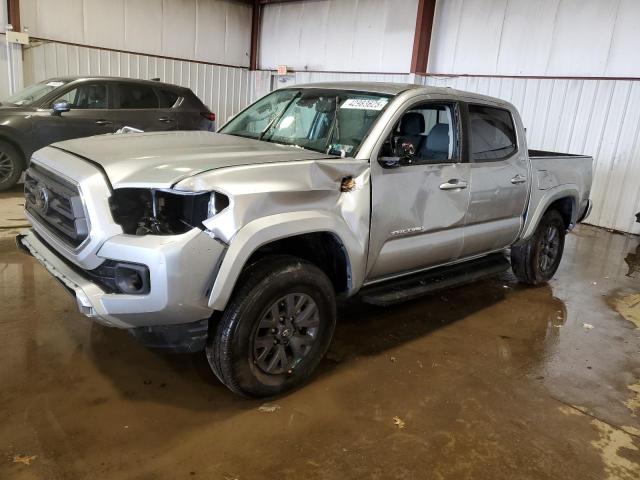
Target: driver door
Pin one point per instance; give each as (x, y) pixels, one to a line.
(89, 115)
(420, 195)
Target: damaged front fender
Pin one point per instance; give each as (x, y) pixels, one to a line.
(269, 202)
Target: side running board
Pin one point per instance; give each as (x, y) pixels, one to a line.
(419, 284)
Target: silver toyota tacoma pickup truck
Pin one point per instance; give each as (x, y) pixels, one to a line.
(240, 242)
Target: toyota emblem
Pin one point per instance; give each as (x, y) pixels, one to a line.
(41, 200)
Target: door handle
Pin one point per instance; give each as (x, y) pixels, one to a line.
(166, 119)
(104, 122)
(518, 179)
(454, 184)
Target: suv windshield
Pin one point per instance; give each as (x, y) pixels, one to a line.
(327, 121)
(33, 92)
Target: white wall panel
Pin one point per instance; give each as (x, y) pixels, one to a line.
(103, 23)
(11, 74)
(339, 35)
(214, 31)
(143, 26)
(537, 37)
(179, 16)
(225, 90)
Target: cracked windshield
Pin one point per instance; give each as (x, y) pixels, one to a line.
(328, 121)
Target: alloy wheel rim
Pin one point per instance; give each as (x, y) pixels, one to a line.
(286, 333)
(549, 248)
(6, 167)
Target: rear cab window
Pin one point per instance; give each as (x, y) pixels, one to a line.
(492, 133)
(132, 96)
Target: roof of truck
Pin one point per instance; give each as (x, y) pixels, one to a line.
(389, 88)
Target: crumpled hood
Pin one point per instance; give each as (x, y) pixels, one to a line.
(161, 159)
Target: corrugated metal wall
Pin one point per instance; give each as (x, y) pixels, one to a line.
(536, 37)
(11, 75)
(214, 31)
(225, 90)
(344, 35)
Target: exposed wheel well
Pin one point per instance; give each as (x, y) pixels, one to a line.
(323, 249)
(565, 207)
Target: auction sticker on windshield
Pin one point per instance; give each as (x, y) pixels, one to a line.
(365, 103)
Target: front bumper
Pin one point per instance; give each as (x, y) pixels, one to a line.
(182, 271)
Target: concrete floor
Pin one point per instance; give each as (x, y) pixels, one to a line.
(491, 380)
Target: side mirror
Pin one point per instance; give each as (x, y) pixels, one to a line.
(406, 151)
(387, 157)
(60, 107)
(402, 154)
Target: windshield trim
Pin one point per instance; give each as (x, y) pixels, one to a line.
(36, 103)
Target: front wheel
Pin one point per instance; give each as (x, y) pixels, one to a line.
(276, 328)
(536, 261)
(10, 165)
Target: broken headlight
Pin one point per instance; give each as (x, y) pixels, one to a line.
(163, 212)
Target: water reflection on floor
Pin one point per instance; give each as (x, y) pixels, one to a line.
(490, 380)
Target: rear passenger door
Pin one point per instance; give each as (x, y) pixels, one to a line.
(138, 106)
(499, 179)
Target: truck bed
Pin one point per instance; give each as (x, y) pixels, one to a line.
(556, 172)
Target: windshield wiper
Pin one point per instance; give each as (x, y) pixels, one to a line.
(277, 117)
(335, 130)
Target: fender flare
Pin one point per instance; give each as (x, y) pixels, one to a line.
(561, 191)
(265, 230)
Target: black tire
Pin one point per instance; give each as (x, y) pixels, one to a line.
(535, 262)
(264, 291)
(11, 165)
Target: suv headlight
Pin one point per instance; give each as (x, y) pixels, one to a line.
(142, 211)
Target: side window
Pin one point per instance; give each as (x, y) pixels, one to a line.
(91, 96)
(492, 134)
(168, 98)
(427, 134)
(137, 96)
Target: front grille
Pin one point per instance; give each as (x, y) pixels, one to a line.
(56, 204)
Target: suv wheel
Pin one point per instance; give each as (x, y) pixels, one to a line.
(536, 261)
(276, 328)
(10, 165)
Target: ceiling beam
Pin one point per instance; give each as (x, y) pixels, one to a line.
(13, 10)
(271, 2)
(256, 21)
(422, 38)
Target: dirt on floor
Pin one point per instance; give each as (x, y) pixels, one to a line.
(491, 380)
(12, 211)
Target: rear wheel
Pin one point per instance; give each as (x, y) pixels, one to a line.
(536, 261)
(10, 165)
(276, 328)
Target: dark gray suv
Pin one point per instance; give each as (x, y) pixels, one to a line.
(72, 107)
